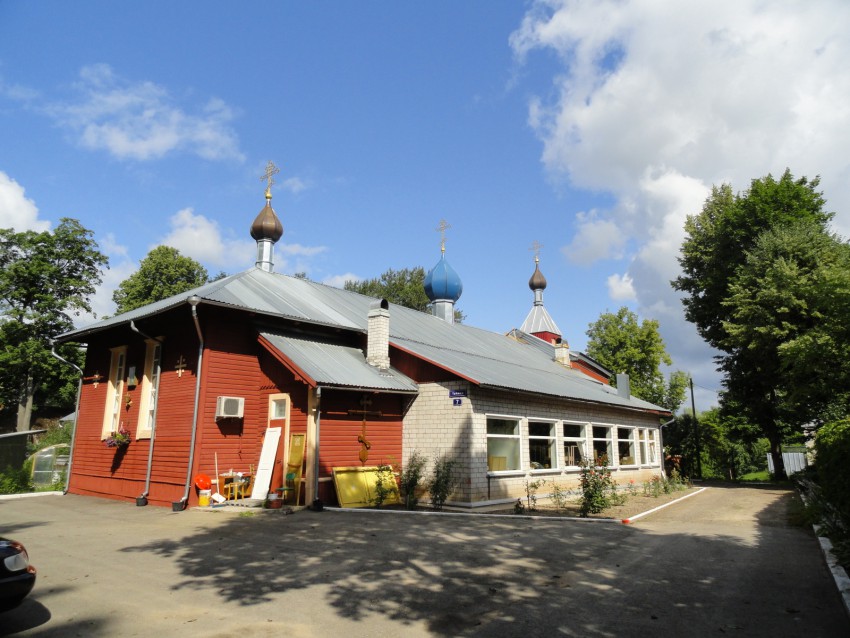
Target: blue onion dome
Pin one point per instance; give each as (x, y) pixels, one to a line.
(442, 282)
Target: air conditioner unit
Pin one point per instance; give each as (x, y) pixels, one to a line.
(229, 407)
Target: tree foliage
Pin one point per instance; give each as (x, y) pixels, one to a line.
(718, 238)
(46, 279)
(623, 344)
(404, 287)
(162, 273)
(755, 290)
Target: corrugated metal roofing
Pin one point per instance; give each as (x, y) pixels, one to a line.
(487, 358)
(336, 365)
(539, 320)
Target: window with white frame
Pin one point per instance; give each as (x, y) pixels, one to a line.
(626, 446)
(602, 444)
(114, 391)
(575, 443)
(503, 443)
(653, 446)
(278, 406)
(541, 445)
(643, 437)
(150, 387)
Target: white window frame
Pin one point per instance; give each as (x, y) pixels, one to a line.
(643, 445)
(609, 440)
(504, 437)
(654, 459)
(150, 389)
(276, 400)
(552, 438)
(630, 440)
(114, 391)
(580, 440)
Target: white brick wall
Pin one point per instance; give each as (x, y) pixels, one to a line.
(434, 426)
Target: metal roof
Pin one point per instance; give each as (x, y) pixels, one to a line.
(539, 320)
(329, 364)
(486, 358)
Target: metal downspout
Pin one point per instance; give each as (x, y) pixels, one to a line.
(76, 414)
(180, 505)
(317, 502)
(142, 499)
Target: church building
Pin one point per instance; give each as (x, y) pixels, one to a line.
(286, 379)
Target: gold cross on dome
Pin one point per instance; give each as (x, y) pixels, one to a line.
(442, 228)
(536, 246)
(271, 171)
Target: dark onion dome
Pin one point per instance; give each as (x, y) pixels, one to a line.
(267, 225)
(537, 281)
(442, 283)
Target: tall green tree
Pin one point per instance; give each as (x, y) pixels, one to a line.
(787, 343)
(46, 279)
(162, 273)
(714, 259)
(718, 238)
(623, 344)
(404, 287)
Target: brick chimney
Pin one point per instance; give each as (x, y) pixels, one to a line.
(562, 353)
(378, 335)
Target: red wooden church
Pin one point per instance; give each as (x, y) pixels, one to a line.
(224, 377)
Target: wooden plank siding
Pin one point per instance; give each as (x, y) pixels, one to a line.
(339, 431)
(233, 364)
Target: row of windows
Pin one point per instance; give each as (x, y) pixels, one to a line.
(619, 445)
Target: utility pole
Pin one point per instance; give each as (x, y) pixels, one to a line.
(696, 429)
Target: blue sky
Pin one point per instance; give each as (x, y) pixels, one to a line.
(593, 128)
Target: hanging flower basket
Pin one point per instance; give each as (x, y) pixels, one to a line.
(117, 439)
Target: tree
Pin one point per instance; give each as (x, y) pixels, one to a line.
(621, 344)
(163, 273)
(45, 279)
(787, 326)
(404, 287)
(718, 238)
(713, 257)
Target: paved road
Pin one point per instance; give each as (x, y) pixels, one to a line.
(722, 562)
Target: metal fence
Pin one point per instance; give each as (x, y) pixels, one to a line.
(794, 462)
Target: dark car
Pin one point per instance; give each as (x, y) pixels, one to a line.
(17, 576)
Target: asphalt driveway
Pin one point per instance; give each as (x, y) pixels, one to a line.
(722, 562)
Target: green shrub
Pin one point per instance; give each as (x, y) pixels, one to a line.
(597, 487)
(385, 485)
(832, 446)
(410, 479)
(559, 496)
(443, 481)
(14, 481)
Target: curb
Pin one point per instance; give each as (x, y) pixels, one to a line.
(839, 574)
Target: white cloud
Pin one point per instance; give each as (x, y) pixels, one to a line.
(338, 281)
(654, 106)
(16, 210)
(200, 238)
(141, 120)
(295, 185)
(595, 239)
(621, 288)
